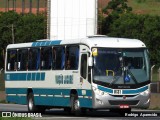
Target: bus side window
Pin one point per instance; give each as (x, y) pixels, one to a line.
(84, 65)
(34, 59)
(53, 58)
(72, 58)
(12, 60)
(46, 54)
(22, 59)
(58, 57)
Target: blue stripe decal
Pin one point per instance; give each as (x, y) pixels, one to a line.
(136, 91)
(25, 76)
(85, 102)
(48, 99)
(88, 93)
(52, 101)
(105, 89)
(17, 99)
(16, 90)
(51, 91)
(46, 43)
(124, 91)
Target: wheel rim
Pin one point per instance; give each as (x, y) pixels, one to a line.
(30, 104)
(76, 105)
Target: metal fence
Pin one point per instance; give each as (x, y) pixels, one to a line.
(155, 79)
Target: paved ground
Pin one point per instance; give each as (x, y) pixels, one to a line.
(59, 114)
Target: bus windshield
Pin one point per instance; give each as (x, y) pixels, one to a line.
(114, 67)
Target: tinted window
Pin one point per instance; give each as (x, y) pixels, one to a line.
(23, 59)
(72, 58)
(12, 60)
(58, 57)
(34, 59)
(84, 65)
(46, 58)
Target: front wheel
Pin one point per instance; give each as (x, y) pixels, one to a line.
(75, 105)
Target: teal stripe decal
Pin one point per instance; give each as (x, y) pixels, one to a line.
(16, 90)
(49, 97)
(17, 99)
(124, 91)
(45, 91)
(46, 43)
(52, 101)
(136, 91)
(105, 89)
(25, 76)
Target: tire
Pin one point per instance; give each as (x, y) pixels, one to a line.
(31, 105)
(75, 105)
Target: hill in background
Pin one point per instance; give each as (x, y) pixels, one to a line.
(151, 7)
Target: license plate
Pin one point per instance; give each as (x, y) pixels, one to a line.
(124, 106)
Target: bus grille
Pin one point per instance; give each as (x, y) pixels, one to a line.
(119, 102)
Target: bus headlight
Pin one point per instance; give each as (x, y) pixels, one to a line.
(145, 93)
(99, 92)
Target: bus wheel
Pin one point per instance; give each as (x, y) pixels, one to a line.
(31, 104)
(75, 105)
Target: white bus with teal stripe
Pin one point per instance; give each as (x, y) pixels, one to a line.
(97, 72)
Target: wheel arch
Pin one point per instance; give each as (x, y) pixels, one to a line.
(29, 90)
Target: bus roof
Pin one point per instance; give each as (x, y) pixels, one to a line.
(96, 41)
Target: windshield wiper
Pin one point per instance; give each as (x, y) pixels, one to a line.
(115, 78)
(132, 76)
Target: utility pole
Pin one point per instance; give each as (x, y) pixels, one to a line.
(12, 29)
(5, 1)
(30, 6)
(23, 6)
(37, 6)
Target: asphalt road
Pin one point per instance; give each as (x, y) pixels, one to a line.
(59, 114)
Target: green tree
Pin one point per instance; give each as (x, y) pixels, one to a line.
(117, 7)
(143, 27)
(30, 27)
(114, 10)
(24, 28)
(7, 19)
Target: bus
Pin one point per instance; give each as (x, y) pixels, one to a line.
(96, 72)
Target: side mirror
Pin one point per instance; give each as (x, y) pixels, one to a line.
(90, 61)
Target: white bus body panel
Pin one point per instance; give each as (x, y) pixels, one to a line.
(72, 19)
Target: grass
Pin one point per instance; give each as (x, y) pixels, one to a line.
(150, 7)
(3, 101)
(155, 108)
(14, 118)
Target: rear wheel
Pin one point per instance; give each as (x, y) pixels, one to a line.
(31, 104)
